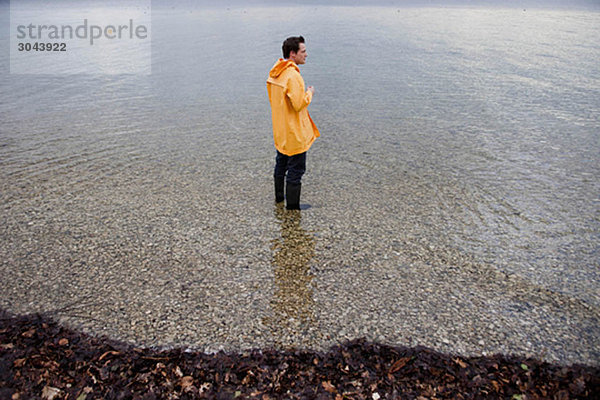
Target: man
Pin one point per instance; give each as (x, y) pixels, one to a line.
(293, 129)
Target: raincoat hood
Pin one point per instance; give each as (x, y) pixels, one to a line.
(280, 66)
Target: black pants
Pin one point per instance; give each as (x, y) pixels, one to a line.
(295, 166)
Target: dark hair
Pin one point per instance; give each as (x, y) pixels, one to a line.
(291, 44)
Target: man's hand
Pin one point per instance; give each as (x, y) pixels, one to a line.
(311, 89)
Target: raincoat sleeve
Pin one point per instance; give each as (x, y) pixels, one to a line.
(295, 92)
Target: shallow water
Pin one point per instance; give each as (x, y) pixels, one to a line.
(452, 140)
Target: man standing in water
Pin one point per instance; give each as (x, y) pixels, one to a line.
(293, 129)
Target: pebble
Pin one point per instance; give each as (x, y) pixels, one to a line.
(155, 257)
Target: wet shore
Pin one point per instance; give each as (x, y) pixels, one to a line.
(183, 255)
(39, 358)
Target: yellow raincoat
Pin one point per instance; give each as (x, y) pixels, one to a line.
(293, 129)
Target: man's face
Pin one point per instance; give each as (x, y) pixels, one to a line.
(300, 56)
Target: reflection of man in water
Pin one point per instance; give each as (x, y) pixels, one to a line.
(292, 303)
(293, 129)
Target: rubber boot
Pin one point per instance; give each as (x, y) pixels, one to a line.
(279, 184)
(292, 194)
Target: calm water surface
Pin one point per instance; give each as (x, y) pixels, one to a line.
(495, 112)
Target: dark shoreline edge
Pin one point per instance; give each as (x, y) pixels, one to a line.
(42, 359)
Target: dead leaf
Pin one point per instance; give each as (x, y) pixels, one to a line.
(398, 365)
(328, 387)
(63, 342)
(186, 382)
(577, 387)
(562, 395)
(247, 378)
(51, 365)
(204, 387)
(19, 362)
(460, 362)
(449, 378)
(50, 393)
(178, 372)
(114, 353)
(29, 334)
(92, 376)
